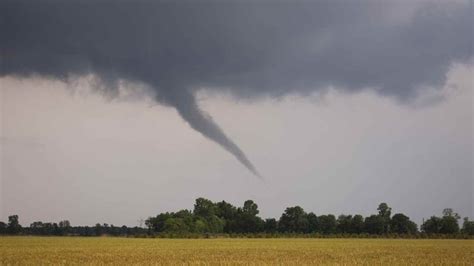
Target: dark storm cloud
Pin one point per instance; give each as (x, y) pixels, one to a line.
(252, 49)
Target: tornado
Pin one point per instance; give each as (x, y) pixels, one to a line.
(185, 104)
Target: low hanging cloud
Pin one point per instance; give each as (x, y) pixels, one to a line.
(250, 49)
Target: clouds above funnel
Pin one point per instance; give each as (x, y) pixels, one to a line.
(253, 50)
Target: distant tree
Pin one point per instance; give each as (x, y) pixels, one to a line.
(385, 212)
(313, 223)
(432, 225)
(176, 225)
(249, 220)
(228, 213)
(344, 223)
(449, 225)
(250, 208)
(98, 229)
(37, 228)
(204, 208)
(401, 224)
(48, 229)
(207, 210)
(65, 227)
(449, 222)
(294, 220)
(245, 219)
(14, 226)
(225, 210)
(157, 224)
(57, 231)
(374, 224)
(450, 213)
(327, 224)
(200, 225)
(187, 217)
(123, 230)
(468, 226)
(3, 228)
(214, 224)
(271, 225)
(357, 224)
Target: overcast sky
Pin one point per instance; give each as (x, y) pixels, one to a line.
(116, 112)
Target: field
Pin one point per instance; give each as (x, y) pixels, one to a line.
(126, 251)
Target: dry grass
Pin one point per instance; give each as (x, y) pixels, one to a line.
(129, 251)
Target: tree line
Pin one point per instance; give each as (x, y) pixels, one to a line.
(215, 218)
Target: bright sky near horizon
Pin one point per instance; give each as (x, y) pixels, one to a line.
(113, 111)
(86, 158)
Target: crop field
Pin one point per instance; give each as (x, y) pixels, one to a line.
(126, 251)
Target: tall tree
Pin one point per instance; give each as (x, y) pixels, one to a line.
(204, 208)
(294, 220)
(357, 224)
(3, 228)
(313, 223)
(246, 220)
(385, 212)
(157, 224)
(271, 225)
(327, 224)
(432, 225)
(64, 227)
(468, 226)
(176, 225)
(374, 224)
(14, 226)
(344, 224)
(449, 222)
(401, 224)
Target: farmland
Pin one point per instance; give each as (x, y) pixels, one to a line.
(109, 250)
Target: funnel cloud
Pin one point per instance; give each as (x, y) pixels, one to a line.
(188, 109)
(251, 50)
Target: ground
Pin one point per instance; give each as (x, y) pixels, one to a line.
(126, 251)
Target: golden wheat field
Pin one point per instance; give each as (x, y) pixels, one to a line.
(128, 251)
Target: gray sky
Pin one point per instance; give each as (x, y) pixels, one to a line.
(338, 106)
(88, 159)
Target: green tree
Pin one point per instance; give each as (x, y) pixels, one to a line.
(385, 212)
(271, 225)
(157, 224)
(344, 223)
(200, 225)
(294, 220)
(3, 228)
(14, 226)
(175, 225)
(225, 210)
(246, 219)
(98, 229)
(228, 213)
(468, 226)
(374, 224)
(37, 228)
(449, 222)
(327, 224)
(357, 224)
(450, 213)
(215, 224)
(204, 208)
(250, 208)
(313, 223)
(432, 225)
(64, 227)
(401, 224)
